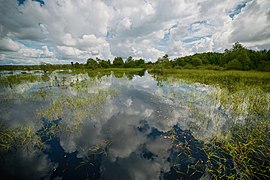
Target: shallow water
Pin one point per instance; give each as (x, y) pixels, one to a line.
(110, 128)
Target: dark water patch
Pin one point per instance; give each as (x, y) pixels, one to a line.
(69, 165)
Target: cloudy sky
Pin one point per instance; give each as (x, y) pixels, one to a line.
(61, 31)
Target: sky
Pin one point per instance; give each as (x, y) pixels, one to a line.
(61, 31)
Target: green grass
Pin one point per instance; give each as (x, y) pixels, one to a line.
(20, 137)
(21, 78)
(249, 145)
(225, 79)
(245, 96)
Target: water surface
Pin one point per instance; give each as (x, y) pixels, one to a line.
(109, 128)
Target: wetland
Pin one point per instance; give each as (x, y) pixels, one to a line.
(134, 124)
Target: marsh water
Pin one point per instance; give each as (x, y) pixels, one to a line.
(80, 126)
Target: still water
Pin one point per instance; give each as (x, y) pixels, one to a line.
(107, 127)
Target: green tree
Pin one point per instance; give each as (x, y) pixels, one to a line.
(244, 60)
(104, 64)
(179, 62)
(164, 62)
(118, 62)
(129, 62)
(234, 64)
(91, 64)
(239, 53)
(76, 65)
(264, 66)
(196, 61)
(237, 46)
(140, 63)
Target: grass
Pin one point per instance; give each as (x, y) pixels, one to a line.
(21, 137)
(245, 97)
(10, 81)
(75, 109)
(224, 79)
(249, 145)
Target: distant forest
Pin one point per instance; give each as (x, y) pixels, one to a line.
(236, 58)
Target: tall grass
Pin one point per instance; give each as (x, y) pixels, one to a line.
(245, 98)
(224, 79)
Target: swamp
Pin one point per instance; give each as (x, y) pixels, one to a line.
(134, 124)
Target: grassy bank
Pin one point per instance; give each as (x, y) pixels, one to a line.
(226, 79)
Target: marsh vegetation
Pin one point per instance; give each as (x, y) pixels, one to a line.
(131, 124)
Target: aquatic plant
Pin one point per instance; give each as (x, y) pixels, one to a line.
(22, 137)
(76, 108)
(249, 145)
(244, 98)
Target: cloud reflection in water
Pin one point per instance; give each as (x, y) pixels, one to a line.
(136, 122)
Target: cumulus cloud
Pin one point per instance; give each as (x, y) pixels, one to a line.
(35, 53)
(142, 28)
(7, 44)
(253, 24)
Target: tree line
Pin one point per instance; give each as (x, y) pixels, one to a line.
(236, 58)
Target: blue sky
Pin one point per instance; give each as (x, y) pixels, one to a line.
(61, 31)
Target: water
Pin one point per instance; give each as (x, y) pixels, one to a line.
(109, 128)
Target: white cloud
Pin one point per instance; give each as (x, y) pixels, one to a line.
(7, 44)
(252, 25)
(139, 28)
(85, 46)
(90, 40)
(35, 53)
(69, 40)
(69, 51)
(46, 52)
